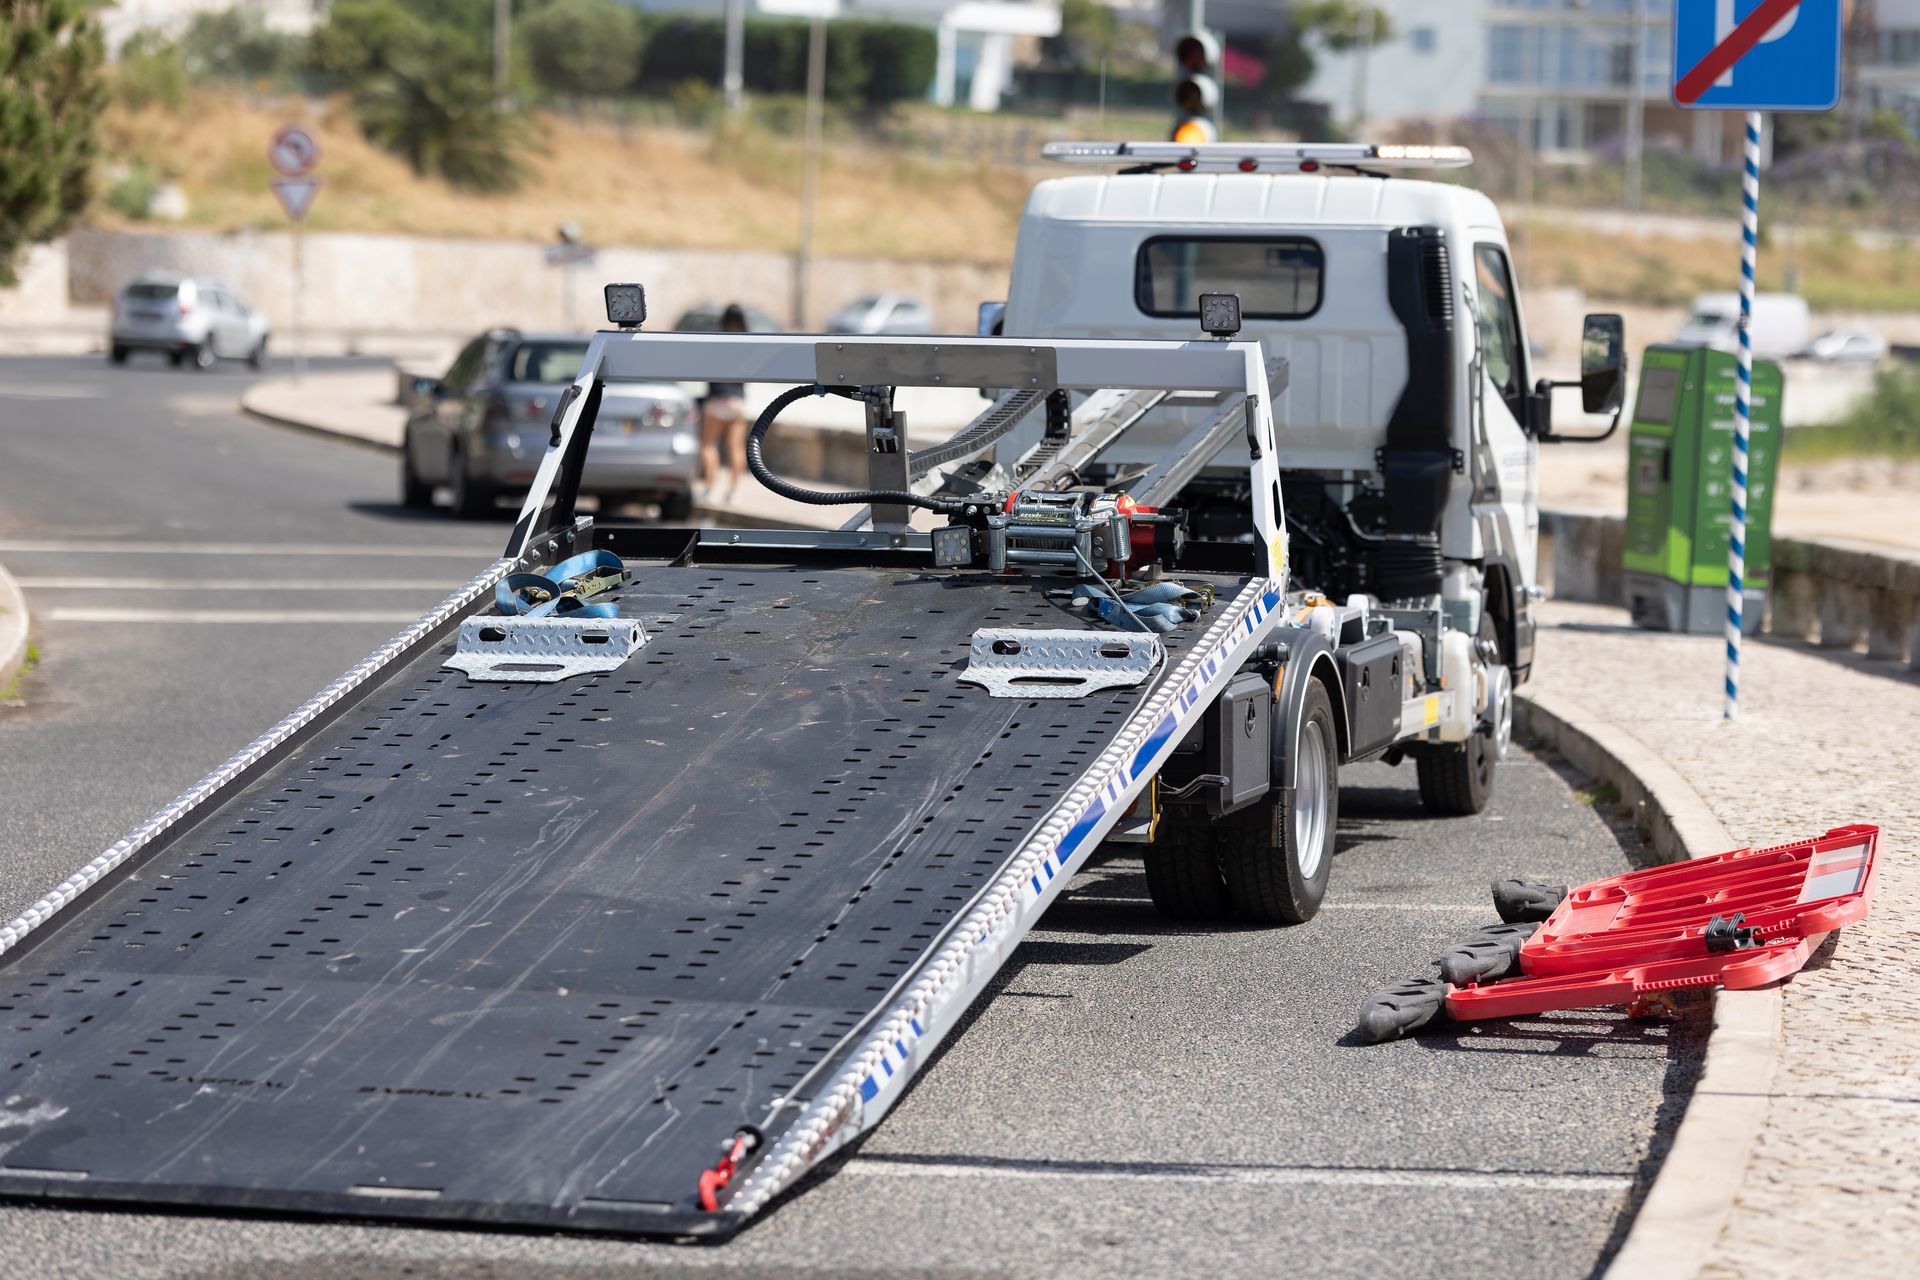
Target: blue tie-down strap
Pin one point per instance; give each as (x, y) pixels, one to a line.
(558, 594)
(1161, 607)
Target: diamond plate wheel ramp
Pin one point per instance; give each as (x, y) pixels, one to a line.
(533, 953)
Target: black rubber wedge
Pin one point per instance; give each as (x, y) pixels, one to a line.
(1490, 955)
(1519, 901)
(1402, 1009)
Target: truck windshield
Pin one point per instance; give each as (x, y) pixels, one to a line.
(1277, 277)
(547, 362)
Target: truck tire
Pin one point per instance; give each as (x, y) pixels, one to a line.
(1183, 868)
(1277, 856)
(1457, 780)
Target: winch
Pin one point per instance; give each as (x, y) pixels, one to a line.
(1091, 534)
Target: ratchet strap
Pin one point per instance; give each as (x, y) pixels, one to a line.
(564, 591)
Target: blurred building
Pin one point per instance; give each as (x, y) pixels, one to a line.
(1884, 52)
(1563, 75)
(976, 37)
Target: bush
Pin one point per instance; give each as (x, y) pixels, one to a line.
(131, 195)
(421, 81)
(51, 95)
(583, 46)
(235, 45)
(151, 72)
(1886, 422)
(869, 64)
(900, 61)
(695, 103)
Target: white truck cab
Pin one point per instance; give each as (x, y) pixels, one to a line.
(1410, 425)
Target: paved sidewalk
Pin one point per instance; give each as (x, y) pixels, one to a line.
(1823, 739)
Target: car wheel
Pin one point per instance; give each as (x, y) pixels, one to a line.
(472, 498)
(258, 356)
(414, 492)
(117, 353)
(203, 355)
(176, 358)
(676, 508)
(1277, 856)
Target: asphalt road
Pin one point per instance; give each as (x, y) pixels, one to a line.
(1134, 1099)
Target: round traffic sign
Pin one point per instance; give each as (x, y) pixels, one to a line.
(293, 152)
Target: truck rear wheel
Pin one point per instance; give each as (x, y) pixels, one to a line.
(1457, 780)
(1183, 868)
(1277, 856)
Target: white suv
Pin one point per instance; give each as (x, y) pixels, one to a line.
(188, 319)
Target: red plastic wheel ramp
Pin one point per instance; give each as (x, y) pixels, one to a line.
(1739, 920)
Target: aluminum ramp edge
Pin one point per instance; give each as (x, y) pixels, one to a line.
(874, 1076)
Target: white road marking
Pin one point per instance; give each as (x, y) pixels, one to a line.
(50, 391)
(78, 613)
(1405, 906)
(103, 548)
(1245, 1175)
(229, 584)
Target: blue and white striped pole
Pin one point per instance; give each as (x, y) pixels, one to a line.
(1742, 411)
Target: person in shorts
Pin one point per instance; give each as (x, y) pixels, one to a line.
(723, 422)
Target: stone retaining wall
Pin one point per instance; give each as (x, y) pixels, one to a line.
(1835, 595)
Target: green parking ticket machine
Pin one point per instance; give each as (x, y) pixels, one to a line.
(1679, 473)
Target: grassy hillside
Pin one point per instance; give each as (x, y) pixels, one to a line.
(661, 186)
(649, 187)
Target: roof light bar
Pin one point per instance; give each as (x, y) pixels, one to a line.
(1247, 157)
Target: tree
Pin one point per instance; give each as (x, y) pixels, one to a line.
(1089, 34)
(588, 47)
(1342, 24)
(236, 44)
(421, 78)
(51, 95)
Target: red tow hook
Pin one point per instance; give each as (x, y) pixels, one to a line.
(714, 1180)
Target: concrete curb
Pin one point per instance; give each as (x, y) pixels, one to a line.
(13, 628)
(1692, 1197)
(250, 407)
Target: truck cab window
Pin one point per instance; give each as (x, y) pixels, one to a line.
(1500, 327)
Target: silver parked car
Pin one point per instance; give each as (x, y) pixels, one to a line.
(483, 427)
(186, 318)
(882, 313)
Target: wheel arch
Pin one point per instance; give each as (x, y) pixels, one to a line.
(1309, 657)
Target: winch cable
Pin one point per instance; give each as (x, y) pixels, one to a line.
(757, 464)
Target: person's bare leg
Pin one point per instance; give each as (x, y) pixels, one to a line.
(736, 454)
(712, 428)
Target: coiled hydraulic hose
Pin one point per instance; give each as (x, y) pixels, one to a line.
(822, 497)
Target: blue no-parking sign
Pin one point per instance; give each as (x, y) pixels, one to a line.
(1756, 55)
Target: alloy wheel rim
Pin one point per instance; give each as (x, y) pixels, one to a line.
(1310, 799)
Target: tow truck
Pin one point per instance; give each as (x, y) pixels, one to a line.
(642, 874)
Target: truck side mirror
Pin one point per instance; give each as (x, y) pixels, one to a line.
(993, 320)
(1603, 363)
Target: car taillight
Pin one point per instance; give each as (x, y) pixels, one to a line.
(496, 405)
(536, 408)
(186, 308)
(663, 416)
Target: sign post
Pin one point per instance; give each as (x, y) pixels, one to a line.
(1753, 56)
(294, 154)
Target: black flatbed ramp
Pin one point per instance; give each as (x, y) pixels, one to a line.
(532, 953)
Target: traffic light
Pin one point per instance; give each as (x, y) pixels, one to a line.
(1196, 92)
